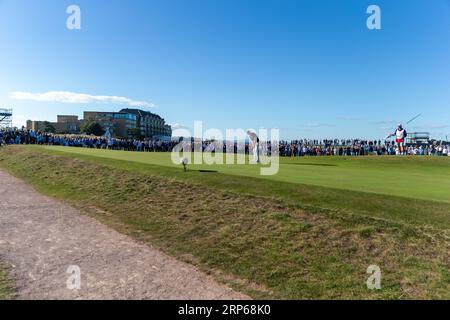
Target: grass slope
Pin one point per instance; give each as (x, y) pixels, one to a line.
(276, 243)
(6, 290)
(404, 209)
(425, 178)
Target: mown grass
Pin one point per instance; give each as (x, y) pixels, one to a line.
(404, 209)
(426, 178)
(267, 243)
(6, 287)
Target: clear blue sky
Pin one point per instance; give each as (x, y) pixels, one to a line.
(310, 68)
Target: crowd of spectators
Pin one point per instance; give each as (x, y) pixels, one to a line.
(355, 147)
(296, 148)
(82, 141)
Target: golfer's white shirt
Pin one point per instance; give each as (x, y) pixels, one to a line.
(254, 139)
(400, 134)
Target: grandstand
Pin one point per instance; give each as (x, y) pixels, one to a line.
(418, 138)
(5, 118)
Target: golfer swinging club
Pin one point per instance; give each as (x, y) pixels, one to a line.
(400, 135)
(255, 143)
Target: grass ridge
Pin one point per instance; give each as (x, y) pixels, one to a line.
(261, 246)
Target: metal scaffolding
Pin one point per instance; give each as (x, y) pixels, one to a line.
(6, 118)
(421, 138)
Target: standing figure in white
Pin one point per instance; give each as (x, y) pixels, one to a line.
(255, 144)
(400, 134)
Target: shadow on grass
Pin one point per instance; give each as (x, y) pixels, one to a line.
(313, 164)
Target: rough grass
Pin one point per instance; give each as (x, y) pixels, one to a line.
(6, 288)
(264, 246)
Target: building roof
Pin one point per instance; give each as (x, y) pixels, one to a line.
(139, 112)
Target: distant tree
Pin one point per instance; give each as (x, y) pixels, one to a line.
(92, 128)
(48, 127)
(135, 134)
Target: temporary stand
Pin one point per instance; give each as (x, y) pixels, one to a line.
(6, 118)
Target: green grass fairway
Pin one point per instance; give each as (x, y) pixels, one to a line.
(6, 291)
(309, 232)
(426, 178)
(412, 190)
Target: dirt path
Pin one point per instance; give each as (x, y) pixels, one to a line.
(40, 238)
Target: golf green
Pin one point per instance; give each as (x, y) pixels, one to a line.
(426, 178)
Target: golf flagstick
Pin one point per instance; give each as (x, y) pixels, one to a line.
(415, 118)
